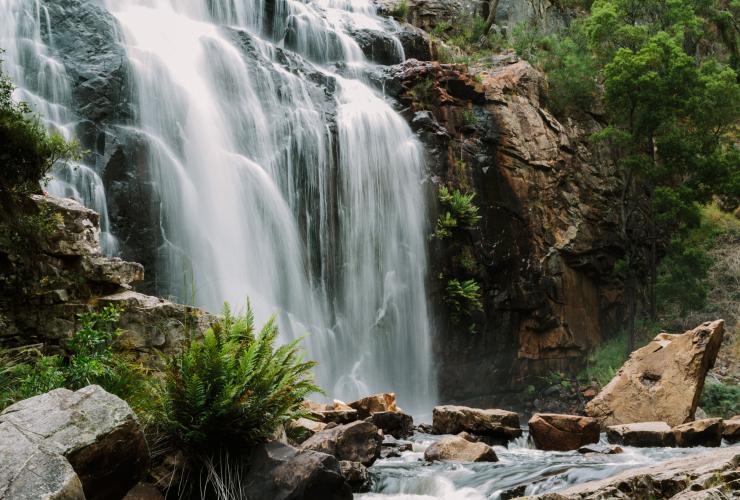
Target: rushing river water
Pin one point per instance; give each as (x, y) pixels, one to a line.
(409, 477)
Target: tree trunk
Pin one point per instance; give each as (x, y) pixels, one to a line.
(491, 19)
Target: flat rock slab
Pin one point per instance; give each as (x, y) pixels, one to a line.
(643, 434)
(552, 431)
(706, 432)
(661, 381)
(731, 429)
(94, 431)
(495, 423)
(676, 478)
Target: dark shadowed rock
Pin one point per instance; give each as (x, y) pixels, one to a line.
(731, 429)
(498, 424)
(552, 431)
(281, 472)
(643, 434)
(707, 432)
(458, 449)
(397, 424)
(356, 475)
(602, 449)
(357, 442)
(96, 432)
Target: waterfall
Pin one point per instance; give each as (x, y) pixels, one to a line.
(26, 36)
(283, 177)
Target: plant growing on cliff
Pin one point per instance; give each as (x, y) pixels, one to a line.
(27, 150)
(400, 11)
(232, 389)
(460, 212)
(462, 298)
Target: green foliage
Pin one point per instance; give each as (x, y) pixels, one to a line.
(462, 298)
(460, 212)
(27, 150)
(682, 277)
(720, 399)
(604, 362)
(422, 93)
(400, 11)
(234, 388)
(90, 360)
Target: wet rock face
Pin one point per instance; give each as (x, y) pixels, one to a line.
(458, 449)
(547, 241)
(661, 381)
(94, 433)
(280, 471)
(562, 432)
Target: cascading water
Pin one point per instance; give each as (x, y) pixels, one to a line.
(282, 176)
(26, 36)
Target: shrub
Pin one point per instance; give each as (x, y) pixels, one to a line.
(604, 362)
(720, 399)
(233, 389)
(462, 298)
(400, 11)
(460, 212)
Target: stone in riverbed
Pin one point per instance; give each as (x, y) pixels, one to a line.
(661, 381)
(356, 475)
(357, 442)
(501, 425)
(601, 449)
(551, 431)
(642, 434)
(394, 423)
(459, 449)
(374, 404)
(731, 429)
(707, 432)
(280, 471)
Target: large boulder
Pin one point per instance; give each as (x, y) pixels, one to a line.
(551, 431)
(707, 432)
(356, 442)
(661, 381)
(498, 424)
(459, 449)
(94, 431)
(356, 475)
(642, 434)
(693, 477)
(280, 472)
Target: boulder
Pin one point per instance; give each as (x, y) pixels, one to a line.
(356, 475)
(374, 404)
(731, 429)
(96, 432)
(459, 449)
(357, 442)
(661, 381)
(279, 472)
(498, 424)
(707, 432)
(602, 449)
(392, 447)
(643, 434)
(337, 412)
(144, 492)
(684, 478)
(552, 431)
(395, 423)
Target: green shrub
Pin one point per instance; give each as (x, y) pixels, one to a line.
(604, 362)
(462, 298)
(233, 388)
(27, 150)
(401, 10)
(720, 400)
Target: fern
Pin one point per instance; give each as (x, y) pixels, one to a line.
(460, 212)
(462, 298)
(233, 388)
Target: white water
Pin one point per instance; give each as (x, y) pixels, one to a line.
(306, 198)
(42, 82)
